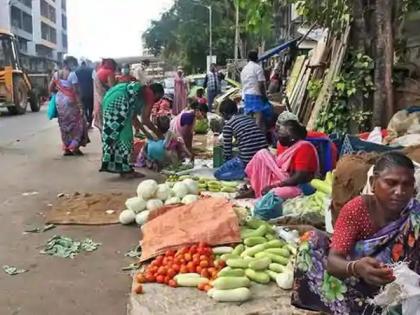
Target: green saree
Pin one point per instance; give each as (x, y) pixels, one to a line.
(119, 106)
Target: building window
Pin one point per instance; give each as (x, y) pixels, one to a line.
(63, 5)
(23, 44)
(64, 21)
(43, 51)
(21, 19)
(27, 3)
(64, 40)
(48, 11)
(48, 33)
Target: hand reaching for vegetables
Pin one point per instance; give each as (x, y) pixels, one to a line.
(373, 272)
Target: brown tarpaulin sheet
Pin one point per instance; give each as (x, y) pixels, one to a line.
(87, 209)
(209, 220)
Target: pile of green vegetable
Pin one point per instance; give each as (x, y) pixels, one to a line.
(201, 126)
(261, 258)
(206, 184)
(314, 203)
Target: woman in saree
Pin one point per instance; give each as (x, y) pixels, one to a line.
(73, 126)
(121, 107)
(371, 233)
(180, 92)
(104, 79)
(288, 174)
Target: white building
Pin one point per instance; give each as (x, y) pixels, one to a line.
(39, 25)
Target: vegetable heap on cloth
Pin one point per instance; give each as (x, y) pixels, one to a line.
(209, 220)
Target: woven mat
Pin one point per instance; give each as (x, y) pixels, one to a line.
(87, 209)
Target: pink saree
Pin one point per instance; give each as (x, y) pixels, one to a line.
(265, 169)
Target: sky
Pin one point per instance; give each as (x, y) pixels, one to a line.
(110, 28)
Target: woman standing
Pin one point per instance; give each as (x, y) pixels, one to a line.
(121, 105)
(372, 233)
(180, 93)
(73, 126)
(104, 79)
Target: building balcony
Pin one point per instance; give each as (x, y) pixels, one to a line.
(22, 33)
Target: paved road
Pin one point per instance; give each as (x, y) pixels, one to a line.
(89, 284)
(16, 128)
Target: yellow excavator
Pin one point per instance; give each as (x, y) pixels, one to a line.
(16, 90)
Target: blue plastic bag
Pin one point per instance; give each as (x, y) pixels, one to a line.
(156, 149)
(231, 170)
(269, 207)
(52, 108)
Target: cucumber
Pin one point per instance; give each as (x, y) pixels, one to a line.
(255, 223)
(279, 251)
(231, 272)
(229, 184)
(257, 276)
(269, 237)
(276, 267)
(273, 275)
(237, 263)
(190, 281)
(253, 250)
(225, 257)
(233, 295)
(222, 250)
(261, 231)
(260, 264)
(275, 244)
(226, 283)
(278, 259)
(229, 190)
(254, 240)
(238, 249)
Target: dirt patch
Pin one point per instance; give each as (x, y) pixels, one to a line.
(350, 178)
(87, 209)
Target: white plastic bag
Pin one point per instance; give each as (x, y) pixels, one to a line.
(375, 136)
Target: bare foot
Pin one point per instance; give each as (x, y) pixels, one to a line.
(245, 194)
(132, 175)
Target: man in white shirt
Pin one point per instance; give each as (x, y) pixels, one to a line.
(253, 88)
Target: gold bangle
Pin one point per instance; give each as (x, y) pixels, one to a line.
(354, 268)
(348, 268)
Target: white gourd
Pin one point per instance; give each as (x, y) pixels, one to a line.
(163, 192)
(172, 201)
(147, 189)
(154, 204)
(127, 217)
(192, 186)
(180, 190)
(136, 204)
(189, 199)
(141, 218)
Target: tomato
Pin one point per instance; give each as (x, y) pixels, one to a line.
(171, 273)
(211, 269)
(188, 257)
(177, 260)
(196, 261)
(220, 263)
(183, 261)
(204, 263)
(213, 274)
(183, 269)
(140, 278)
(176, 267)
(204, 273)
(193, 249)
(172, 283)
(203, 257)
(138, 289)
(154, 269)
(211, 263)
(201, 250)
(198, 269)
(160, 279)
(201, 286)
(150, 277)
(170, 252)
(202, 244)
(167, 279)
(207, 287)
(191, 269)
(162, 271)
(196, 256)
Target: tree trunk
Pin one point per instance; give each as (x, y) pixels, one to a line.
(383, 106)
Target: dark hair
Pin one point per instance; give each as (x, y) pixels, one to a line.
(253, 55)
(295, 128)
(200, 90)
(392, 159)
(157, 88)
(228, 107)
(163, 123)
(83, 63)
(203, 108)
(70, 60)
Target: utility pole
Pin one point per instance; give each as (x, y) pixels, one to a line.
(236, 32)
(211, 32)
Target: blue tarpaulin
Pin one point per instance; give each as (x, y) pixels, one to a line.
(276, 50)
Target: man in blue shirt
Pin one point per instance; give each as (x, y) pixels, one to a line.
(84, 75)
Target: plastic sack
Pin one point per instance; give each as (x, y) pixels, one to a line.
(156, 149)
(231, 170)
(269, 207)
(52, 108)
(375, 136)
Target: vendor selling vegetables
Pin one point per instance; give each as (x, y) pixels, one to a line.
(288, 174)
(372, 232)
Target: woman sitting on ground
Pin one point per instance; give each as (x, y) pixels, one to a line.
(288, 174)
(371, 232)
(121, 107)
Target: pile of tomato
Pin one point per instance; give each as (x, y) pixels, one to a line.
(190, 259)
